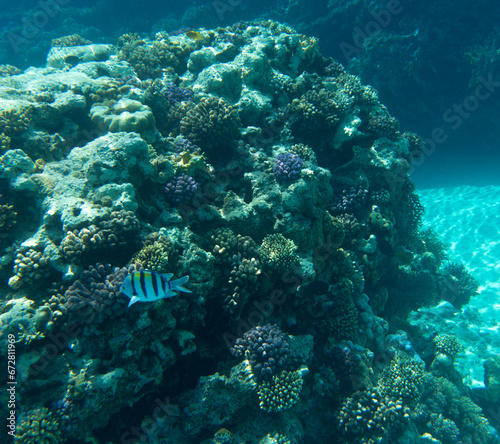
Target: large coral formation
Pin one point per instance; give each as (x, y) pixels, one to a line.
(328, 247)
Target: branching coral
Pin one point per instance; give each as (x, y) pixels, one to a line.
(448, 345)
(70, 40)
(348, 200)
(96, 296)
(281, 392)
(242, 283)
(158, 254)
(288, 166)
(370, 417)
(266, 348)
(115, 231)
(8, 217)
(278, 253)
(382, 124)
(212, 124)
(39, 426)
(317, 112)
(403, 379)
(181, 189)
(151, 59)
(457, 285)
(29, 265)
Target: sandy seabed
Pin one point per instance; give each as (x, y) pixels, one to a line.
(467, 220)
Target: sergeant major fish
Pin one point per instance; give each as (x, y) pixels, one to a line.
(148, 286)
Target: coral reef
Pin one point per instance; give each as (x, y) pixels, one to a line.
(279, 184)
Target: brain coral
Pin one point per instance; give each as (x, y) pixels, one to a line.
(125, 115)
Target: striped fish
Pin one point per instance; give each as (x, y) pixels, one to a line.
(148, 286)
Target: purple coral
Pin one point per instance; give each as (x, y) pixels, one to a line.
(176, 94)
(96, 296)
(184, 145)
(348, 200)
(181, 189)
(266, 348)
(288, 166)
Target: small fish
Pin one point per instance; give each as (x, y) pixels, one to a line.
(315, 288)
(385, 246)
(148, 286)
(194, 35)
(387, 249)
(403, 257)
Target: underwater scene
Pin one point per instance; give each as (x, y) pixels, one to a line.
(250, 222)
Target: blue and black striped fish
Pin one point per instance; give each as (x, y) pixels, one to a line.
(148, 286)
